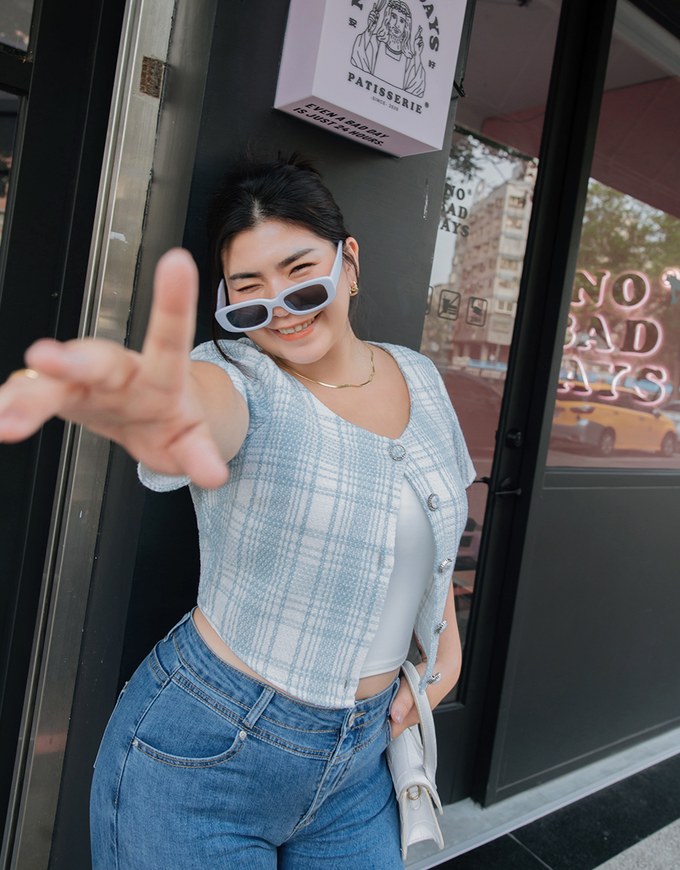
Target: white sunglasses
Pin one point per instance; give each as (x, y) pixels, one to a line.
(303, 298)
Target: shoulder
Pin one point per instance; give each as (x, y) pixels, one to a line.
(226, 353)
(241, 359)
(415, 365)
(252, 372)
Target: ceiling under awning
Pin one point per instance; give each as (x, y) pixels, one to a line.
(637, 149)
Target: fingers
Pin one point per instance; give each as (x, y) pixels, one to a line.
(172, 322)
(85, 362)
(402, 709)
(26, 403)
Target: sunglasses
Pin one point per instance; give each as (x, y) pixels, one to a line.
(303, 298)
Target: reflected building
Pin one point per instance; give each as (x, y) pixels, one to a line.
(487, 268)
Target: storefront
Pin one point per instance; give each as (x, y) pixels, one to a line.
(535, 259)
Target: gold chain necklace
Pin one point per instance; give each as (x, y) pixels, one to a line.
(285, 365)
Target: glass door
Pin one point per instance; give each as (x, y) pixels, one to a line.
(474, 290)
(471, 312)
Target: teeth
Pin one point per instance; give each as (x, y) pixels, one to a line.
(297, 328)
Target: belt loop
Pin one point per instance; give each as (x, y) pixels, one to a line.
(178, 624)
(395, 688)
(259, 706)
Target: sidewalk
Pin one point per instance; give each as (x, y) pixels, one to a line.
(633, 825)
(619, 813)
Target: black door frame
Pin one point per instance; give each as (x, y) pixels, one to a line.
(65, 80)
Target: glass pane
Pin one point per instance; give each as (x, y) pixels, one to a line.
(15, 22)
(618, 401)
(470, 318)
(482, 235)
(9, 106)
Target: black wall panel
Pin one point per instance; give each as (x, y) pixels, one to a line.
(593, 663)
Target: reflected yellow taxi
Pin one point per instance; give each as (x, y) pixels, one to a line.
(600, 423)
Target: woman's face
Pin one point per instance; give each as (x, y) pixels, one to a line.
(263, 261)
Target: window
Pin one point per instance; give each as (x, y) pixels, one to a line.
(8, 118)
(482, 235)
(15, 23)
(622, 344)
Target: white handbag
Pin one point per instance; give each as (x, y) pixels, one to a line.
(412, 759)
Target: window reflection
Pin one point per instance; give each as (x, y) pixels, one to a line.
(15, 23)
(618, 399)
(478, 259)
(8, 117)
(468, 326)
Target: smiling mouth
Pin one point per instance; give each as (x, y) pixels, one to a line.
(298, 328)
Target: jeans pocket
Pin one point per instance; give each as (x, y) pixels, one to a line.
(183, 728)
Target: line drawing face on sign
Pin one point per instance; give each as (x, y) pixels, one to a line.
(387, 50)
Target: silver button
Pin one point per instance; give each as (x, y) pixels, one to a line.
(435, 678)
(433, 501)
(445, 565)
(441, 626)
(242, 735)
(397, 451)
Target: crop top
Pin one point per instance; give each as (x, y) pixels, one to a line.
(297, 548)
(413, 555)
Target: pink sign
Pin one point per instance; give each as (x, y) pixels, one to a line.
(379, 73)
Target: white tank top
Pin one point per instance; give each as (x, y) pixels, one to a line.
(413, 559)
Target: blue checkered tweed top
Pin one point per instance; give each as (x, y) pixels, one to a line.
(297, 548)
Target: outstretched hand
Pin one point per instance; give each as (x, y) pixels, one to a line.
(148, 402)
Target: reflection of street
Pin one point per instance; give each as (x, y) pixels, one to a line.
(464, 580)
(618, 459)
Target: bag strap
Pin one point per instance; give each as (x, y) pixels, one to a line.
(427, 732)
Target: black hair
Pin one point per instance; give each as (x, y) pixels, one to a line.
(285, 189)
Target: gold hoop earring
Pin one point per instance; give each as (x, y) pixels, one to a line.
(354, 288)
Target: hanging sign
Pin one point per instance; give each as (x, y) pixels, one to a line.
(380, 73)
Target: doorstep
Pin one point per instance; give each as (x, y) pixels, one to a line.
(467, 825)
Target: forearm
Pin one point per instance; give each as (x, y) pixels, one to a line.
(448, 664)
(225, 409)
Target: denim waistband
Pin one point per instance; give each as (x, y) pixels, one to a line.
(184, 647)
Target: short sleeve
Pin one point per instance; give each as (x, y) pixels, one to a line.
(249, 370)
(465, 465)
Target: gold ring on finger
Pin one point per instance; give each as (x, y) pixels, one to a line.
(31, 374)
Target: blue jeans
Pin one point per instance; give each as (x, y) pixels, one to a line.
(204, 767)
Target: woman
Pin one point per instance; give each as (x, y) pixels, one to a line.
(328, 477)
